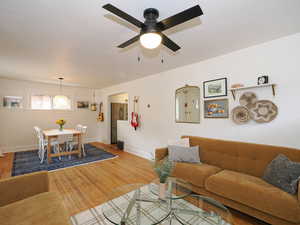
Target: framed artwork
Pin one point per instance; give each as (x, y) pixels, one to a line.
(13, 102)
(83, 105)
(217, 108)
(215, 88)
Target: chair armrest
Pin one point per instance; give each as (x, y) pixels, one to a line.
(160, 153)
(20, 187)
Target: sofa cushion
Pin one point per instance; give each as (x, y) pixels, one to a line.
(283, 173)
(256, 193)
(184, 154)
(45, 208)
(194, 173)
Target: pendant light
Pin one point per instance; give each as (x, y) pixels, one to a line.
(94, 104)
(61, 101)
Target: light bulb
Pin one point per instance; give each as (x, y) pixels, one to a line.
(150, 40)
(61, 102)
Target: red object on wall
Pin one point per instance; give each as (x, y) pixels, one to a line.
(134, 115)
(134, 120)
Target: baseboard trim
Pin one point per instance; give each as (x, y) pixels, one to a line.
(139, 152)
(24, 148)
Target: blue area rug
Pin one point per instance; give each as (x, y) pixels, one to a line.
(28, 162)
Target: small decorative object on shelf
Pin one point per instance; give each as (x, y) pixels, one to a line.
(61, 124)
(234, 90)
(163, 169)
(237, 85)
(263, 80)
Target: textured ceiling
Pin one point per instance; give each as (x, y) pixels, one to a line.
(45, 39)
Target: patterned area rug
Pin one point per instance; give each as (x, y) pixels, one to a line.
(28, 161)
(94, 216)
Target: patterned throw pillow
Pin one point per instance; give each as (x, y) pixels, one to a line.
(184, 154)
(283, 173)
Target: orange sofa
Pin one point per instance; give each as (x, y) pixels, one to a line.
(26, 200)
(231, 173)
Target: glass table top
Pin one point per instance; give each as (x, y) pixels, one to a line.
(139, 204)
(201, 210)
(134, 205)
(175, 188)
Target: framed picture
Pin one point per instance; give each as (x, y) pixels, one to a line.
(215, 88)
(13, 102)
(217, 108)
(83, 105)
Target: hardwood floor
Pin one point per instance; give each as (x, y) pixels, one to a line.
(86, 186)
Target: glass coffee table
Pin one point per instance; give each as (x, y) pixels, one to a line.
(140, 204)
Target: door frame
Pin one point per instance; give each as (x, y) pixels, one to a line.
(108, 130)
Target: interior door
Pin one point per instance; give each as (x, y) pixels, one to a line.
(119, 111)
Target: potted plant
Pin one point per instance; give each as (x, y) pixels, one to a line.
(163, 169)
(61, 124)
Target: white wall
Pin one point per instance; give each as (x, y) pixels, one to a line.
(120, 98)
(16, 133)
(279, 59)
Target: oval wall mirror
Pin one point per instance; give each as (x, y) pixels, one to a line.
(187, 104)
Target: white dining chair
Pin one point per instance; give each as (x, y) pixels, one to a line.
(83, 130)
(43, 144)
(37, 133)
(62, 144)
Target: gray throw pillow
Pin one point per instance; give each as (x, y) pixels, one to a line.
(184, 154)
(283, 173)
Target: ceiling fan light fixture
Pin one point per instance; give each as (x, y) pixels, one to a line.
(150, 40)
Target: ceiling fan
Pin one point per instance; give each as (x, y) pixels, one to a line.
(151, 35)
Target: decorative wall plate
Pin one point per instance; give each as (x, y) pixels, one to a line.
(248, 99)
(263, 111)
(240, 115)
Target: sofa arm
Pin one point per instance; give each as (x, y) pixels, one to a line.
(20, 187)
(160, 153)
(299, 192)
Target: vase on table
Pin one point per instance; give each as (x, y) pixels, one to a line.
(61, 124)
(162, 191)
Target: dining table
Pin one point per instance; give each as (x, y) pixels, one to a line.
(54, 133)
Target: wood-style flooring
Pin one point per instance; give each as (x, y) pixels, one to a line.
(86, 186)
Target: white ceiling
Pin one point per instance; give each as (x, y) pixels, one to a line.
(41, 40)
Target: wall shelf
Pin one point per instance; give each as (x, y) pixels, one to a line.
(234, 90)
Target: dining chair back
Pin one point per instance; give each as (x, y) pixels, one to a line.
(41, 144)
(83, 130)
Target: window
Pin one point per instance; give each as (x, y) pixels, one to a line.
(48, 102)
(41, 102)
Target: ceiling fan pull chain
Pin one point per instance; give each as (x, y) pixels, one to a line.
(139, 56)
(162, 59)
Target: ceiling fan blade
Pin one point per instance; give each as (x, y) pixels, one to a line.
(180, 18)
(123, 15)
(129, 42)
(169, 43)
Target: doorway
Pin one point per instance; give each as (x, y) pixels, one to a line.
(119, 111)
